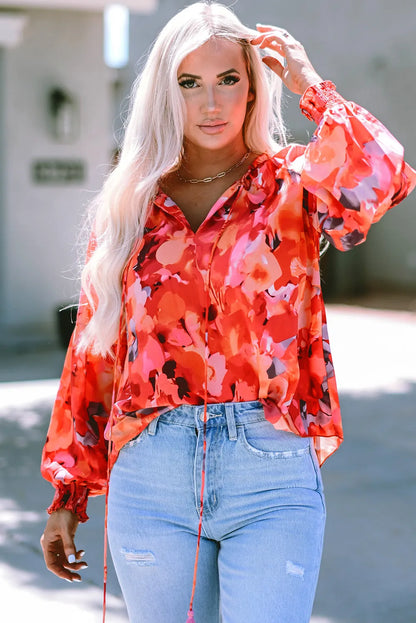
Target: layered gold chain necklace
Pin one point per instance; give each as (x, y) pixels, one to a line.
(206, 180)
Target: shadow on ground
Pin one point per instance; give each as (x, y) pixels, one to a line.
(368, 571)
(24, 495)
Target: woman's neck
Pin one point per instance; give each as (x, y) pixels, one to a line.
(200, 163)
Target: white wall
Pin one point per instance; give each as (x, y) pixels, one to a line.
(368, 48)
(40, 222)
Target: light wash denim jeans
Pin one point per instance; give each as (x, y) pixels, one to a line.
(263, 522)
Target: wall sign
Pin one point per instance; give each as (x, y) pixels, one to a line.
(56, 171)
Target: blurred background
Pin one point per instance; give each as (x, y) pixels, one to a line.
(66, 69)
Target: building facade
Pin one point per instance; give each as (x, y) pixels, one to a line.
(56, 145)
(51, 165)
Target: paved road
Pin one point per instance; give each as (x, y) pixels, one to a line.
(369, 567)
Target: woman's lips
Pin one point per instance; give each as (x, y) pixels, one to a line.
(213, 128)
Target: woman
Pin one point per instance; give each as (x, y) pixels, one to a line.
(201, 352)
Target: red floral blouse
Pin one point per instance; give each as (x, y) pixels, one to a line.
(238, 302)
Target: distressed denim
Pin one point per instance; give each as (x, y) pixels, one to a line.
(263, 520)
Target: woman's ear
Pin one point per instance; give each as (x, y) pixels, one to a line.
(250, 97)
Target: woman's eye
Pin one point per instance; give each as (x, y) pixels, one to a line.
(229, 80)
(188, 83)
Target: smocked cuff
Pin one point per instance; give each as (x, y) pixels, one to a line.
(318, 98)
(72, 497)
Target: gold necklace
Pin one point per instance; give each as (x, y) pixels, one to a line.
(206, 180)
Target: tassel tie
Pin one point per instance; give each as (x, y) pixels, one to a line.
(190, 618)
(231, 200)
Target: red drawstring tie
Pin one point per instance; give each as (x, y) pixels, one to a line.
(190, 618)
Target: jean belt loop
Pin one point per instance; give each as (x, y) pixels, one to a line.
(151, 429)
(229, 414)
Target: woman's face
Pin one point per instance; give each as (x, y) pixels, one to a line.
(215, 86)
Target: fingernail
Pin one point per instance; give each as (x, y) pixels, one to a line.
(84, 565)
(68, 580)
(71, 559)
(77, 580)
(82, 553)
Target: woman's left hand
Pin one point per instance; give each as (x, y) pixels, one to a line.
(298, 74)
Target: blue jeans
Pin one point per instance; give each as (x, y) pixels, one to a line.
(263, 522)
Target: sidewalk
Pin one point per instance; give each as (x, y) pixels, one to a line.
(368, 571)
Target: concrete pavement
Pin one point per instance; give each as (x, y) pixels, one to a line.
(369, 566)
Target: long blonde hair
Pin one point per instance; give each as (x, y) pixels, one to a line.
(152, 146)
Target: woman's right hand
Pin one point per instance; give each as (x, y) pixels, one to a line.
(58, 546)
(298, 73)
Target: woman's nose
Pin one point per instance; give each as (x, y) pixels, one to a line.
(211, 102)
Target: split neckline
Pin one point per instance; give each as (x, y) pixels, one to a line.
(164, 201)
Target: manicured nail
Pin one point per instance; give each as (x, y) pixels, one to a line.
(81, 554)
(77, 580)
(68, 580)
(71, 559)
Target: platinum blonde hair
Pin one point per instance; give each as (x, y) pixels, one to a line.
(152, 147)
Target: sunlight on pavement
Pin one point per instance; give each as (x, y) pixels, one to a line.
(373, 354)
(373, 350)
(22, 601)
(26, 393)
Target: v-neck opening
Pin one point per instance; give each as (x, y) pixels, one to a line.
(162, 197)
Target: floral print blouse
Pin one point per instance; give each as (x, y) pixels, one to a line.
(237, 303)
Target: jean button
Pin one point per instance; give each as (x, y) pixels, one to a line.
(201, 416)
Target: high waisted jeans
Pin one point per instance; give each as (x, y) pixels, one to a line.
(263, 520)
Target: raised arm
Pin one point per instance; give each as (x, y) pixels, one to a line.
(353, 169)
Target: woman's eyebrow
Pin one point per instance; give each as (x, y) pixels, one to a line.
(221, 75)
(189, 76)
(229, 71)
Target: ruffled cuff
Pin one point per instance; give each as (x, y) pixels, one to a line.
(73, 497)
(317, 98)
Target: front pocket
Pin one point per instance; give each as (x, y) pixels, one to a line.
(263, 440)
